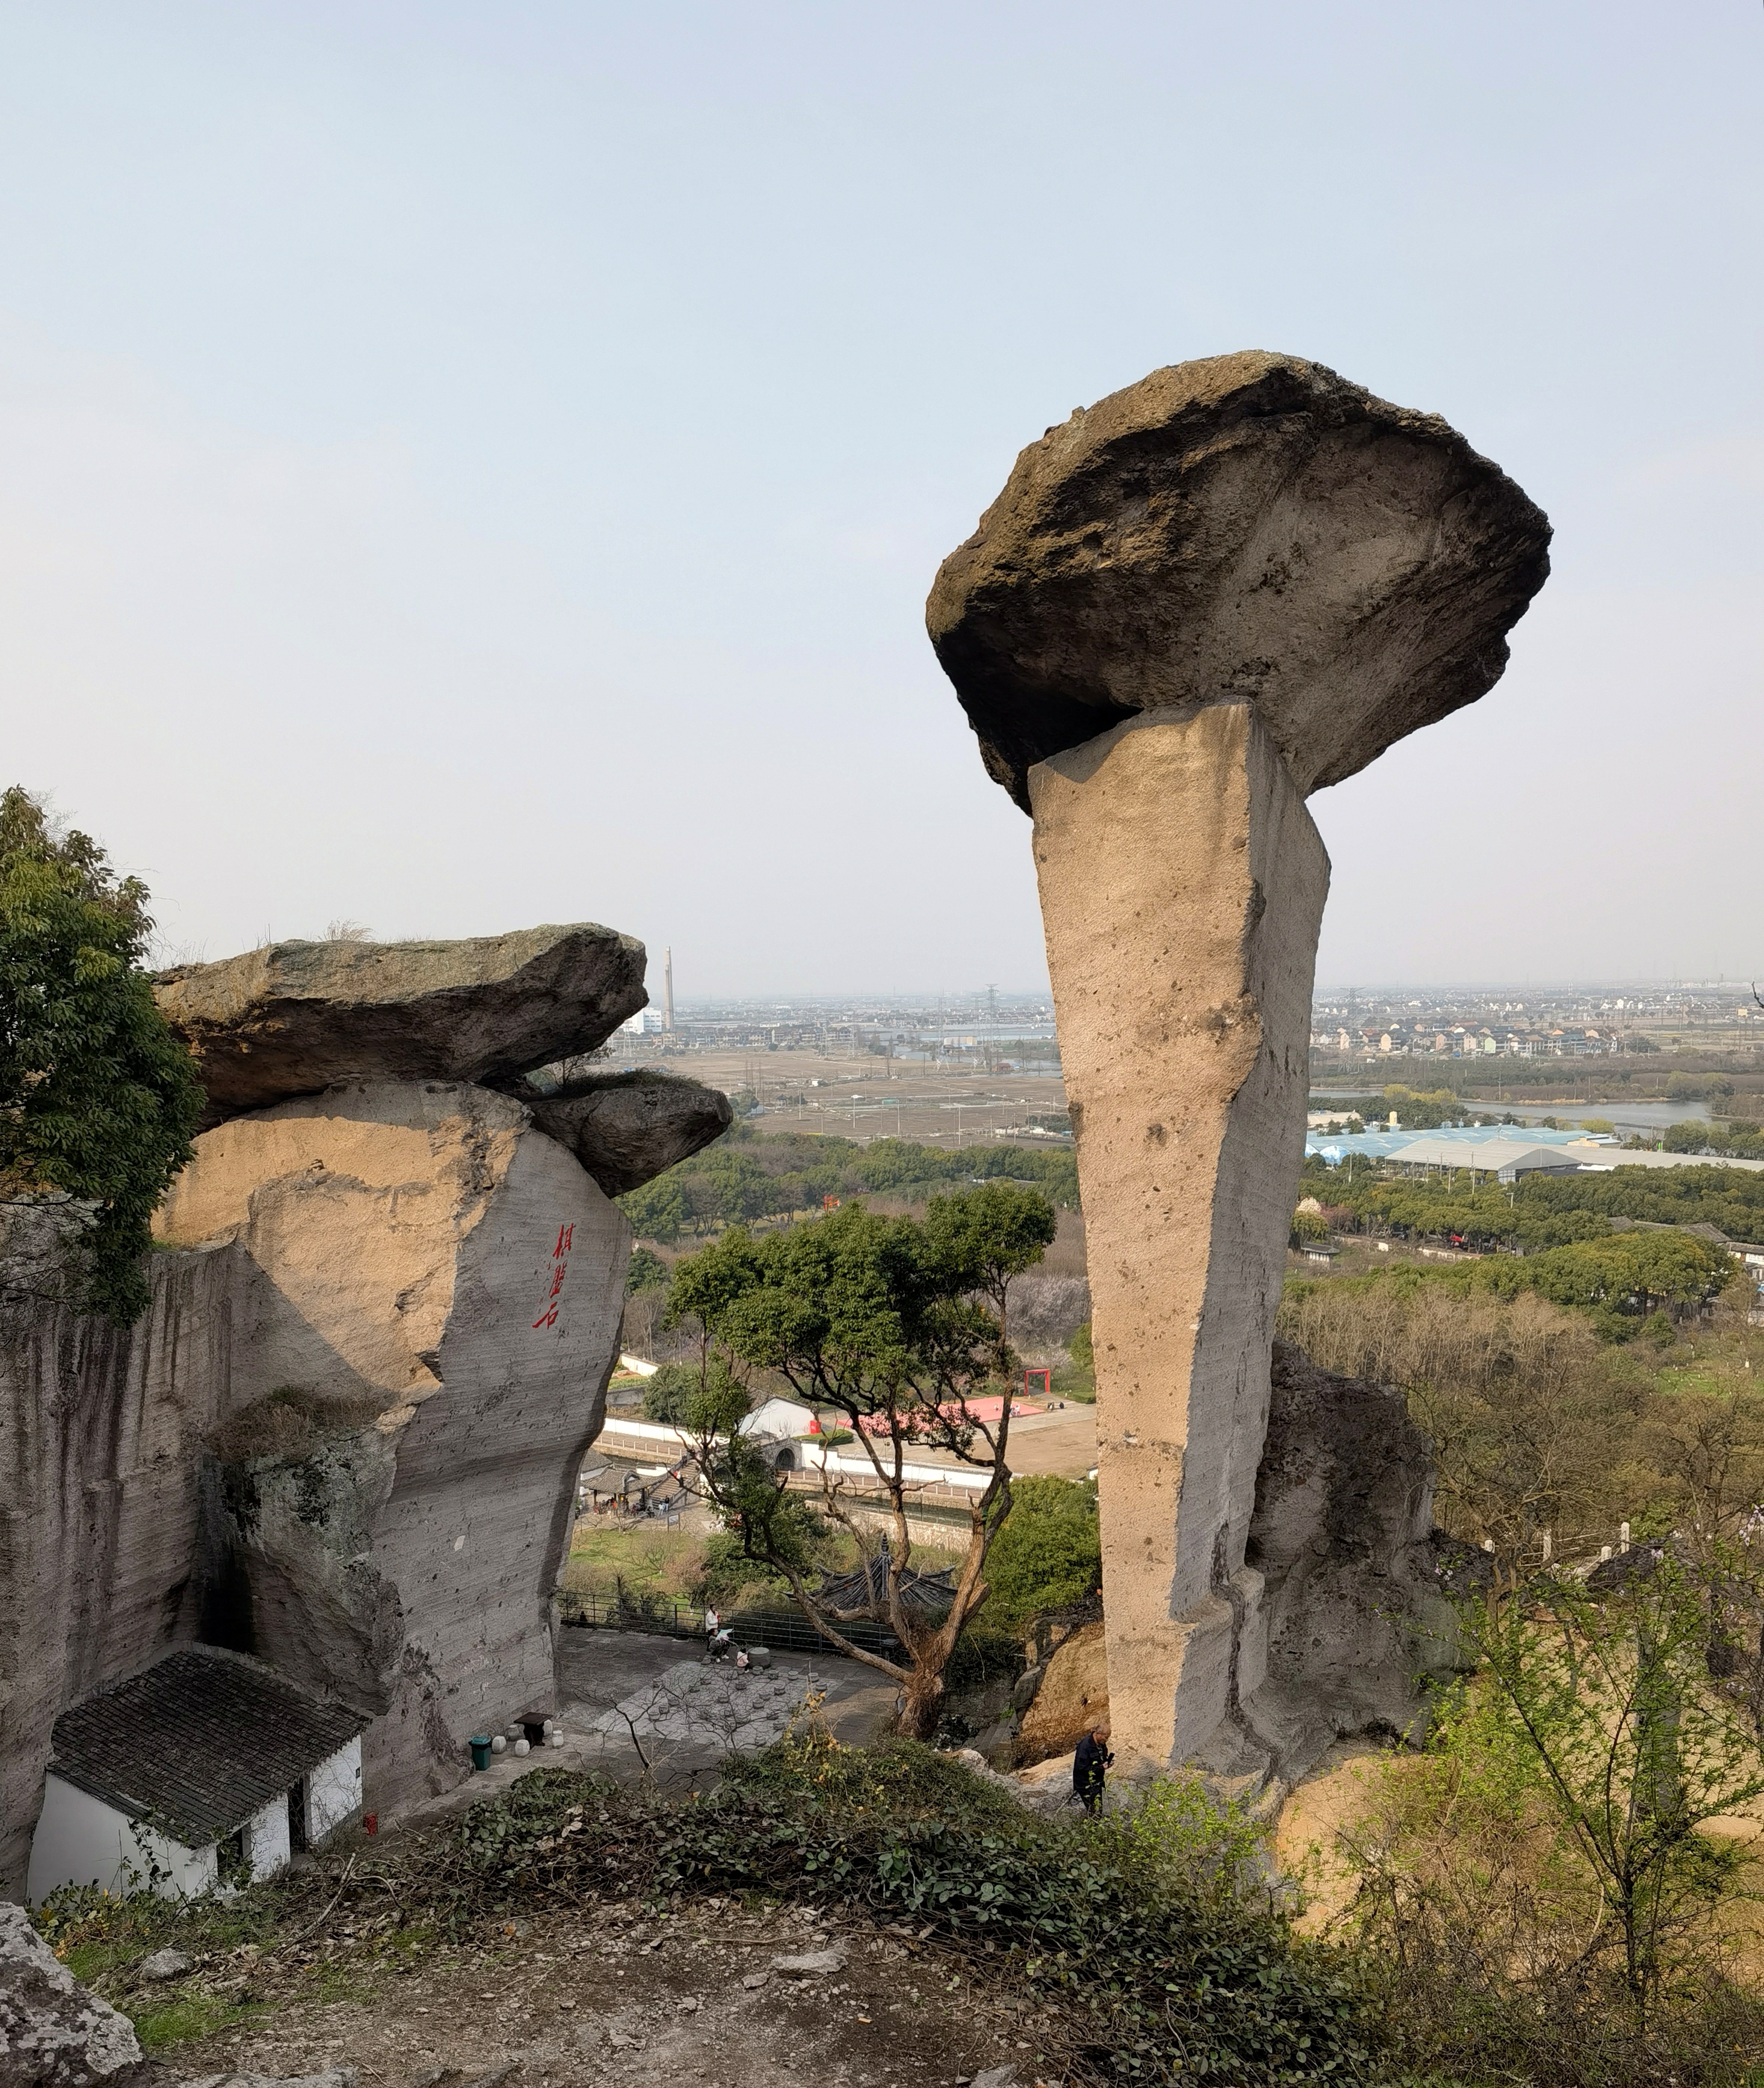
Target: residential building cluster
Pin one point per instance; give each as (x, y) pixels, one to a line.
(1552, 1022)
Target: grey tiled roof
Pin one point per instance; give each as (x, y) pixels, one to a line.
(200, 1742)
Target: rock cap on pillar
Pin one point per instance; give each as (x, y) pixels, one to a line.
(626, 1127)
(297, 1017)
(1245, 528)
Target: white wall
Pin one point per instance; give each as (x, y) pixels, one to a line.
(80, 1839)
(333, 1792)
(266, 1838)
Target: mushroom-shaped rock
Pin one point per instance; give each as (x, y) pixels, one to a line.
(626, 1127)
(297, 1017)
(1191, 606)
(1248, 528)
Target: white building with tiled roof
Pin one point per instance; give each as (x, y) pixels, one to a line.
(208, 1768)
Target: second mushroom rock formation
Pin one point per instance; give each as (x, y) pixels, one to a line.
(1192, 604)
(428, 1307)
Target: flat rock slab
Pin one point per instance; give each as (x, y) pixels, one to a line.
(627, 1128)
(294, 1018)
(1247, 529)
(811, 1964)
(164, 1965)
(54, 2034)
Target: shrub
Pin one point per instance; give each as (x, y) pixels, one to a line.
(665, 1395)
(1164, 1969)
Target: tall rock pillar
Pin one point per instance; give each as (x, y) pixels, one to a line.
(1194, 603)
(1182, 981)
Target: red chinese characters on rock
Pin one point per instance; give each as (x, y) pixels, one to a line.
(560, 1268)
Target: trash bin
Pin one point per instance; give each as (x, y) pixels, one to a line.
(479, 1743)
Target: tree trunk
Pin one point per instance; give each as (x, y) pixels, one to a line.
(923, 1708)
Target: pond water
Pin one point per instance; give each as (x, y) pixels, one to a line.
(1626, 1116)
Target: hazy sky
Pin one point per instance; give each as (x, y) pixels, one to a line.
(463, 466)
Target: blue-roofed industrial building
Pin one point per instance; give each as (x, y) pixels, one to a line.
(1336, 1146)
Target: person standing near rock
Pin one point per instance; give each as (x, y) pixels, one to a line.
(1089, 1764)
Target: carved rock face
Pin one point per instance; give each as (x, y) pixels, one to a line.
(423, 1323)
(1248, 528)
(627, 1128)
(1182, 882)
(295, 1018)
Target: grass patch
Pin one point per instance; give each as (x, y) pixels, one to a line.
(665, 1563)
(160, 2025)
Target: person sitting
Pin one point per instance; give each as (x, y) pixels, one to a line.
(1089, 1764)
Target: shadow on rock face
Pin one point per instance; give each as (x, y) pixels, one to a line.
(1355, 1577)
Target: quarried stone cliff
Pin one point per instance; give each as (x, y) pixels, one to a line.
(418, 1362)
(344, 1436)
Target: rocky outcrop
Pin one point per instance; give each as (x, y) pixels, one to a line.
(1355, 1579)
(54, 2033)
(1071, 1697)
(1207, 596)
(418, 1361)
(1246, 528)
(627, 1128)
(101, 1455)
(344, 1436)
(295, 1018)
(1184, 982)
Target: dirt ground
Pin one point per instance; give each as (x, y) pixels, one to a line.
(868, 1098)
(606, 1994)
(1063, 1443)
(1304, 1849)
(610, 1993)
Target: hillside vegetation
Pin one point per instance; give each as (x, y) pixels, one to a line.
(744, 1176)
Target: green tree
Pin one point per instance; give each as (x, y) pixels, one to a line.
(647, 1272)
(658, 1210)
(899, 1327)
(984, 1239)
(668, 1393)
(1049, 1554)
(1634, 1744)
(98, 1100)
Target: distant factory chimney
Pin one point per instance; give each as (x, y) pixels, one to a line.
(667, 988)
